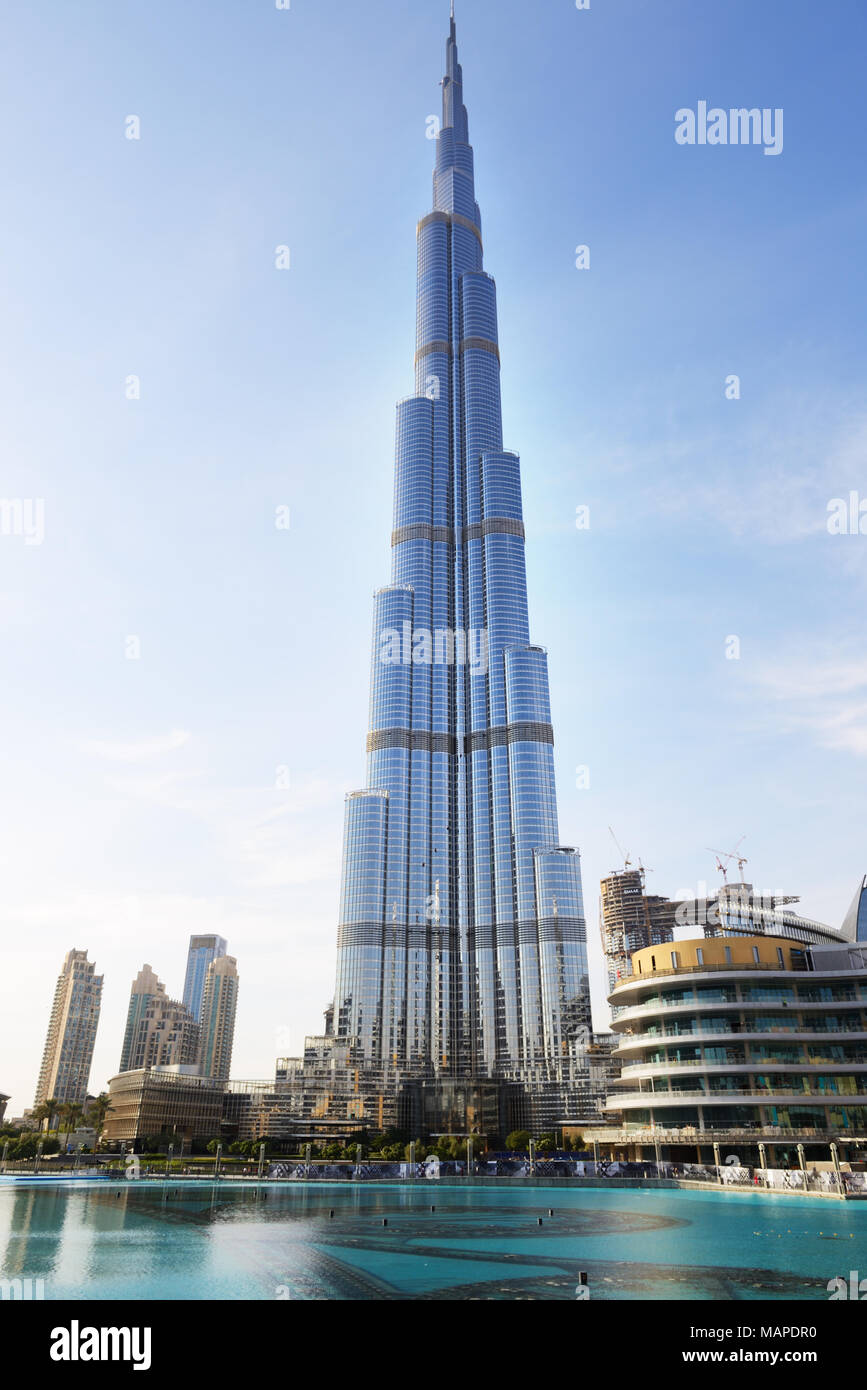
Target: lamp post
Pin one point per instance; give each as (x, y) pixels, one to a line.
(38, 1158)
(5, 1152)
(763, 1162)
(658, 1160)
(169, 1156)
(532, 1157)
(412, 1159)
(802, 1162)
(835, 1157)
(308, 1155)
(717, 1163)
(470, 1157)
(217, 1157)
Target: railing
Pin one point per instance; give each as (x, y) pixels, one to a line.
(730, 967)
(691, 1134)
(762, 1064)
(831, 1181)
(635, 1039)
(843, 1097)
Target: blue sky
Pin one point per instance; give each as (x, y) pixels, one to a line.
(143, 799)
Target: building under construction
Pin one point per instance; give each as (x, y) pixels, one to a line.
(631, 919)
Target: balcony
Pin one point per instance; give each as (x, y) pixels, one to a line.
(735, 1097)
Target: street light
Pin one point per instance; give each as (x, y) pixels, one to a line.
(835, 1156)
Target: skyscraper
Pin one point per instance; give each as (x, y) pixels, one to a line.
(65, 1069)
(160, 1032)
(855, 921)
(462, 940)
(631, 919)
(217, 1026)
(203, 949)
(145, 987)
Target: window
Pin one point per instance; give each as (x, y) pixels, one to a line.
(755, 955)
(674, 960)
(780, 959)
(699, 955)
(728, 955)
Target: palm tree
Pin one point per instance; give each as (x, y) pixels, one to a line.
(72, 1113)
(97, 1112)
(39, 1114)
(52, 1109)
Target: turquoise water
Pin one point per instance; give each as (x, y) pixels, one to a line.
(200, 1240)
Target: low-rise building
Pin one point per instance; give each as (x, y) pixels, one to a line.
(759, 1039)
(163, 1103)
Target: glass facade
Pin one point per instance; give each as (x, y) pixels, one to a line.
(203, 949)
(462, 940)
(855, 923)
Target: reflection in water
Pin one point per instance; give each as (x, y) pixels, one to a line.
(140, 1240)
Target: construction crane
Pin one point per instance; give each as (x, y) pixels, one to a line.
(727, 856)
(626, 859)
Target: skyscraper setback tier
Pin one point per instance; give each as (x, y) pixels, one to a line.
(462, 939)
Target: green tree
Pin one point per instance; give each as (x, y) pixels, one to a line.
(39, 1114)
(518, 1141)
(98, 1111)
(71, 1113)
(44, 1113)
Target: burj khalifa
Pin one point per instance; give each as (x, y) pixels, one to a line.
(462, 941)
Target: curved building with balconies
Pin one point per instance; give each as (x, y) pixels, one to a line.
(758, 1035)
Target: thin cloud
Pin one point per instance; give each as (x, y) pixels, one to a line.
(140, 751)
(824, 696)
